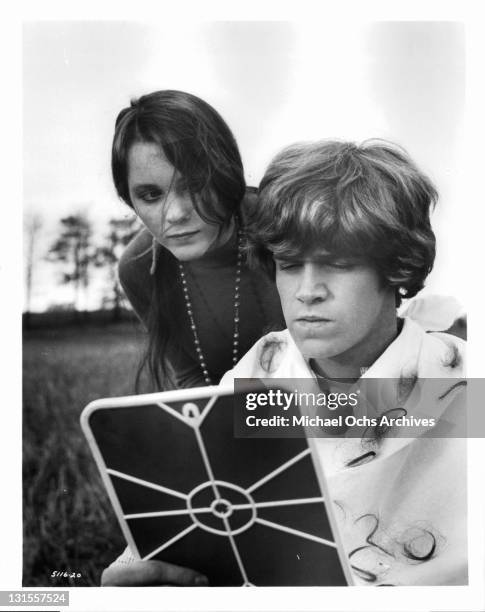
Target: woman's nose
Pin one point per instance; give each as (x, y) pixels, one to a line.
(178, 209)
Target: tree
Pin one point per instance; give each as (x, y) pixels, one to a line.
(121, 231)
(33, 225)
(73, 247)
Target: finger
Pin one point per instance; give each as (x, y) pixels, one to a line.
(174, 574)
(151, 573)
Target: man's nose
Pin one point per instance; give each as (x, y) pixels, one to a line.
(313, 286)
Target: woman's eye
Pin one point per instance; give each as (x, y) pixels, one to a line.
(150, 196)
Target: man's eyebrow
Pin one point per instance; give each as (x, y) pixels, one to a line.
(328, 257)
(287, 257)
(322, 258)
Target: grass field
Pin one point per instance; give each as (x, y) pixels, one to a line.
(68, 521)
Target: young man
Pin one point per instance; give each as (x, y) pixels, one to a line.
(345, 231)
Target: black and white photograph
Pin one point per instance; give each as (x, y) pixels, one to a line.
(247, 293)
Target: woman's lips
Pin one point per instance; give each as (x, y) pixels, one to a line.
(182, 235)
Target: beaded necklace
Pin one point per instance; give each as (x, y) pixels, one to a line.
(190, 312)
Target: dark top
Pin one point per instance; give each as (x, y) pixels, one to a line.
(210, 280)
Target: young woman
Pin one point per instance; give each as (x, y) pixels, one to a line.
(177, 164)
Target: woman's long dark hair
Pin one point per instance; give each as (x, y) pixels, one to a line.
(198, 143)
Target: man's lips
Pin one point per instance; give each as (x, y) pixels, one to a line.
(313, 319)
(312, 322)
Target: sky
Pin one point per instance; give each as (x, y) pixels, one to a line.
(273, 82)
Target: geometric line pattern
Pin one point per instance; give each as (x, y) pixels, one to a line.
(297, 532)
(187, 490)
(170, 542)
(220, 508)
